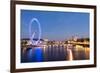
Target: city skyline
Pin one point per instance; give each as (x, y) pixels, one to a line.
(56, 25)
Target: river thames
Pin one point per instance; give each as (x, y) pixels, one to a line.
(54, 53)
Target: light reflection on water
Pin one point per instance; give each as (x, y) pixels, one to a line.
(53, 53)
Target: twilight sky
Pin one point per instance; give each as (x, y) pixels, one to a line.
(55, 25)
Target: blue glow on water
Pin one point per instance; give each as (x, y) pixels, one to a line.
(38, 54)
(35, 55)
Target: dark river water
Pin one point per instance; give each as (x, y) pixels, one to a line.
(52, 53)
